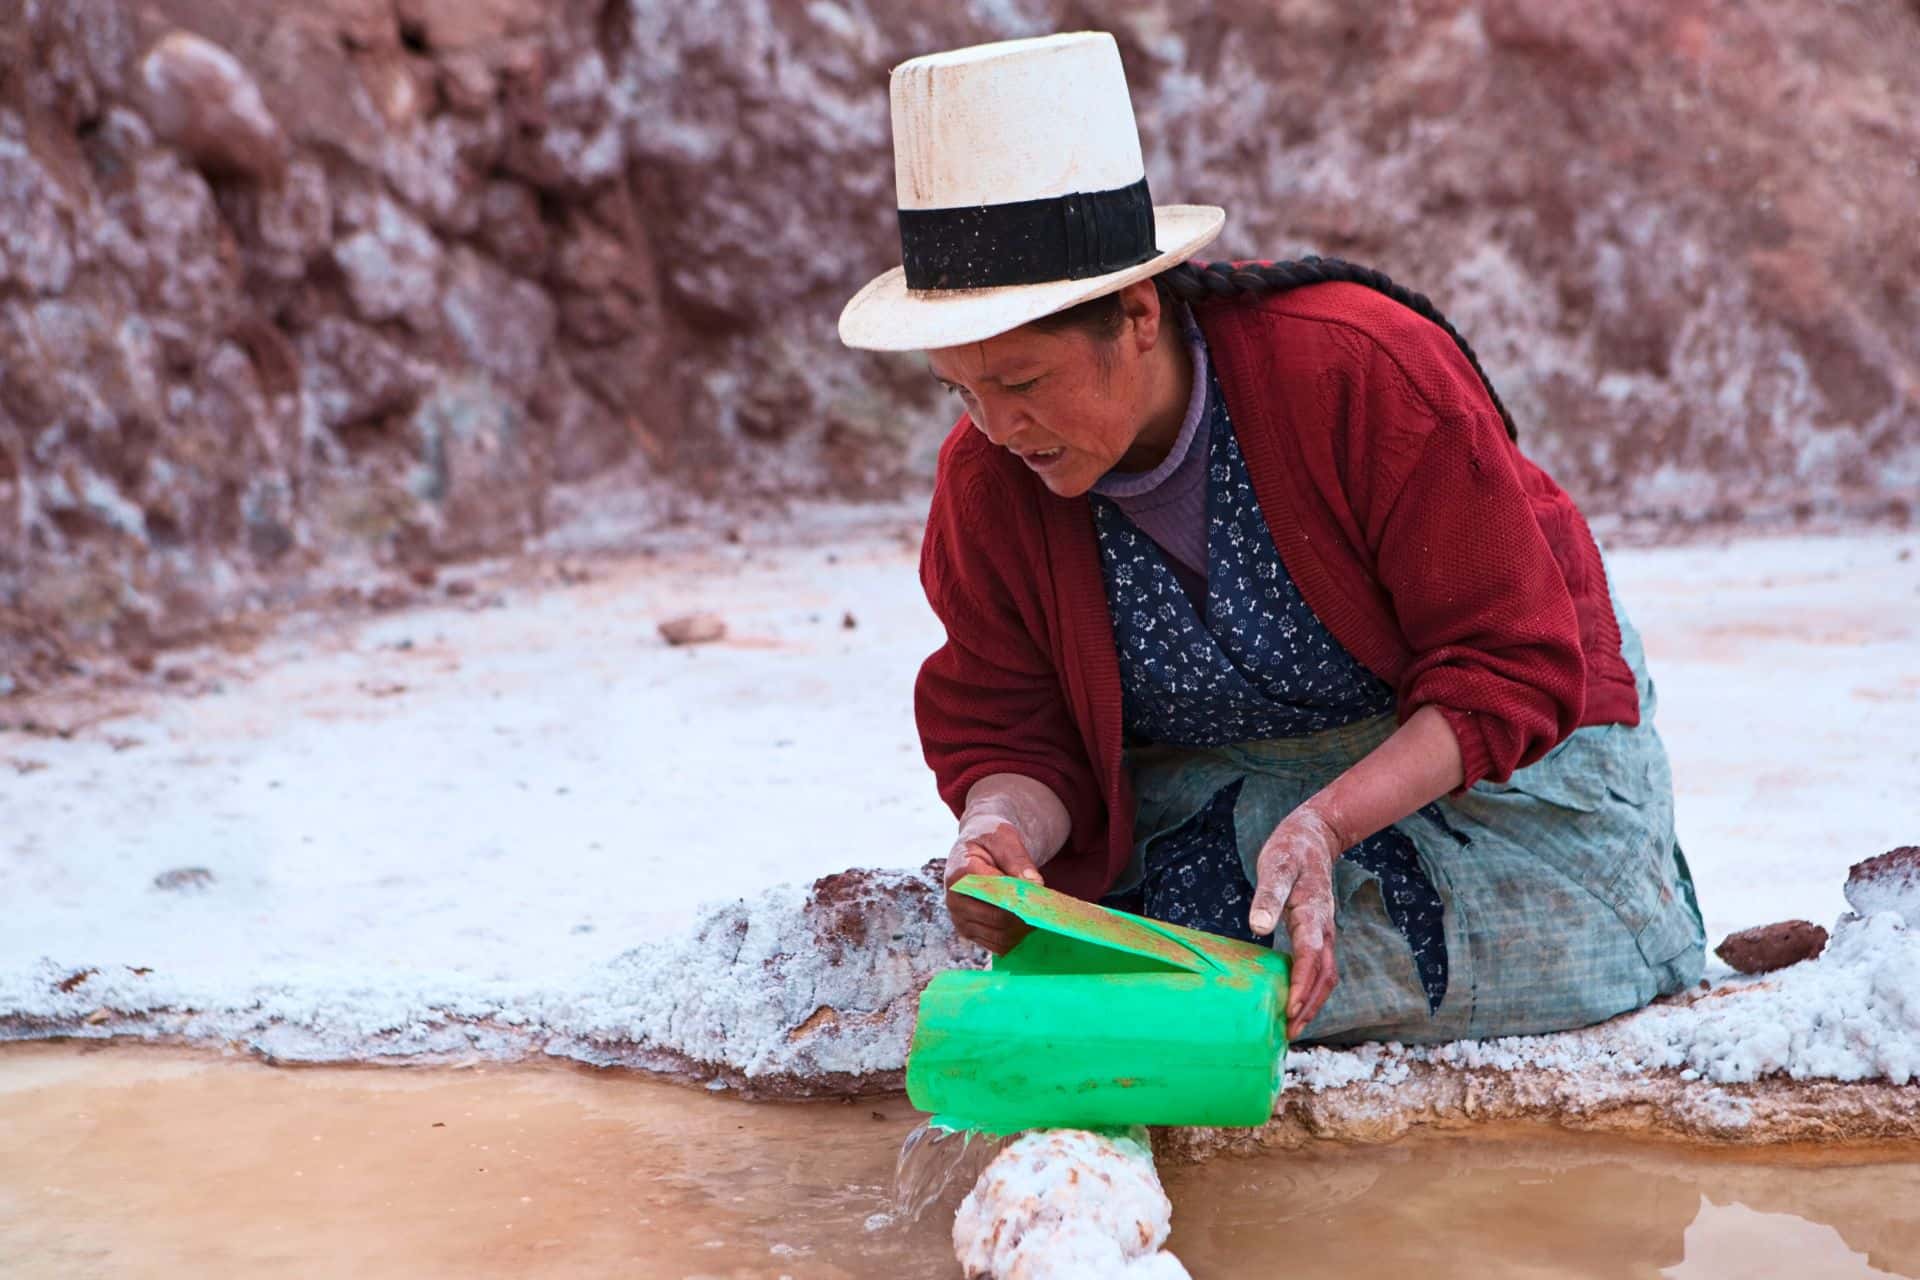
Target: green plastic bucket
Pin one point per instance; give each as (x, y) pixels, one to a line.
(1100, 1019)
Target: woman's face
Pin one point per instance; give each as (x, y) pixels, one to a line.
(1069, 404)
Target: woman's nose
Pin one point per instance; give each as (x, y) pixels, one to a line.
(999, 427)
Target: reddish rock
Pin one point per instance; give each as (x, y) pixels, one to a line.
(480, 465)
(360, 24)
(311, 81)
(502, 323)
(583, 139)
(37, 249)
(605, 282)
(511, 227)
(1772, 946)
(392, 266)
(599, 319)
(403, 87)
(593, 259)
(293, 222)
(201, 99)
(1890, 882)
(637, 234)
(457, 24)
(190, 268)
(389, 596)
(693, 628)
(352, 374)
(587, 438)
(276, 363)
(469, 83)
(439, 167)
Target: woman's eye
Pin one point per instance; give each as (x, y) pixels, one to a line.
(1021, 388)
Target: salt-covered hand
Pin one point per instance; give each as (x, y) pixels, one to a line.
(1011, 826)
(1296, 886)
(989, 845)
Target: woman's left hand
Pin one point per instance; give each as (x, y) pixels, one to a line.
(1296, 885)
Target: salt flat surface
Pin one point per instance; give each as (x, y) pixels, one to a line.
(487, 794)
(1788, 672)
(493, 807)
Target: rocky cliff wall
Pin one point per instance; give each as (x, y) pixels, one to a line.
(292, 285)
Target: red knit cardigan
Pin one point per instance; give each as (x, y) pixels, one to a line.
(1447, 563)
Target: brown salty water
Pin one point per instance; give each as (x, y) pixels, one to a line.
(132, 1162)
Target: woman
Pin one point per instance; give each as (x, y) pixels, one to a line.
(1258, 621)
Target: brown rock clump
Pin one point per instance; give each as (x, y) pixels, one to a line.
(693, 628)
(1767, 947)
(200, 98)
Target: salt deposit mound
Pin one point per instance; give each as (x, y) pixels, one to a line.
(1064, 1204)
(797, 992)
(802, 990)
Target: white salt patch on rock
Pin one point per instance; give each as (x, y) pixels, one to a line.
(796, 984)
(1322, 1069)
(802, 988)
(1897, 895)
(1065, 1204)
(1890, 882)
(1853, 1014)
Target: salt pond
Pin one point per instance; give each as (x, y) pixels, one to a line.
(148, 1162)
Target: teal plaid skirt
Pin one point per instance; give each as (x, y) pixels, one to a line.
(1566, 898)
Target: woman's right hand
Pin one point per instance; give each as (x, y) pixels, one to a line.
(1296, 887)
(988, 849)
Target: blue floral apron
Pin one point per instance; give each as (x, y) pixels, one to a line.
(1553, 900)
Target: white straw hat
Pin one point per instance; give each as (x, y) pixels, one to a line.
(1021, 193)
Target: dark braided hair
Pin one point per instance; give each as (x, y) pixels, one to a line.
(1198, 282)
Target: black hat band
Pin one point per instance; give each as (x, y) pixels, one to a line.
(1070, 237)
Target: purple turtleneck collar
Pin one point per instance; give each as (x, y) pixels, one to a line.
(1169, 503)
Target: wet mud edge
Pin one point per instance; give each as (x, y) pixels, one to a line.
(1436, 1097)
